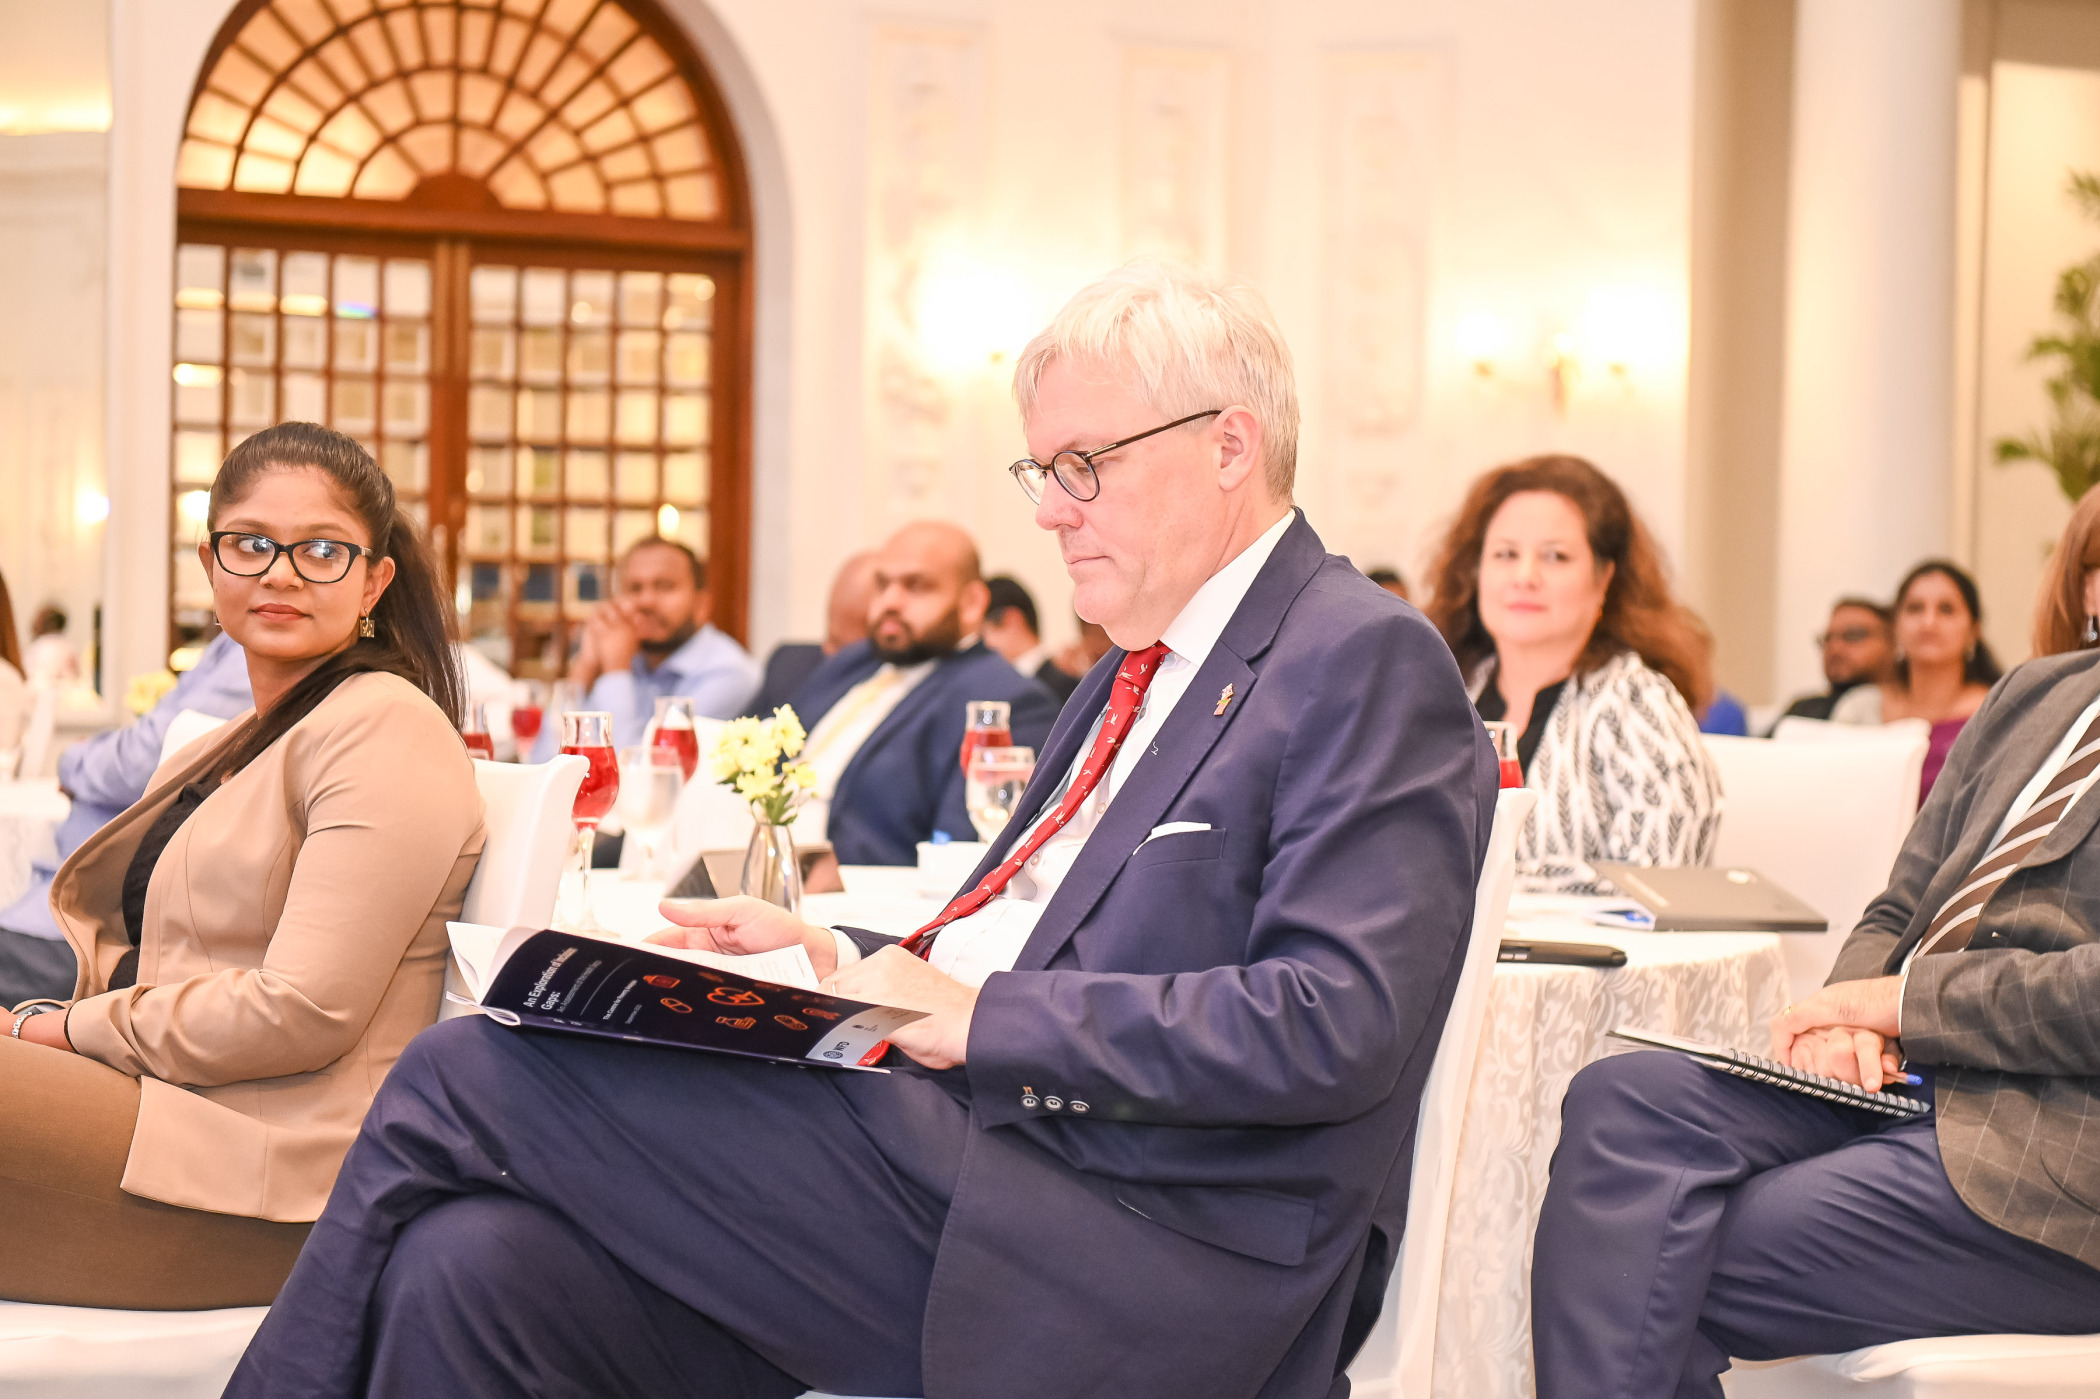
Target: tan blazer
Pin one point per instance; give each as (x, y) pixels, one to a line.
(293, 943)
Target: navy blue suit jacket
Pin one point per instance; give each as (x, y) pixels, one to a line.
(906, 782)
(1247, 1014)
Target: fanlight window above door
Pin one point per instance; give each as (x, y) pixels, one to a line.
(566, 106)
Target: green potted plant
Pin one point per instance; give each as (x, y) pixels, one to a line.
(2070, 445)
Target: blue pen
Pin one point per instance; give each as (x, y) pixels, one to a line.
(1912, 1079)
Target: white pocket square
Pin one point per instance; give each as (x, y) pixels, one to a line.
(1173, 828)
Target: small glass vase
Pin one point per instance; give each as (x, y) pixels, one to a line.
(771, 871)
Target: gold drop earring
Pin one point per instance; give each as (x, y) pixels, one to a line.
(365, 628)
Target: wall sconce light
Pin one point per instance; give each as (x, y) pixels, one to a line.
(1483, 340)
(90, 507)
(970, 315)
(1628, 331)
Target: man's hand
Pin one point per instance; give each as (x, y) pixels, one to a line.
(742, 925)
(614, 641)
(1843, 1031)
(896, 978)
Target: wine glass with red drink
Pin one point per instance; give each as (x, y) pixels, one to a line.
(475, 732)
(588, 735)
(527, 712)
(986, 724)
(673, 728)
(1505, 740)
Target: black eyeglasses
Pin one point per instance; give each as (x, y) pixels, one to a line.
(315, 560)
(1075, 470)
(1851, 636)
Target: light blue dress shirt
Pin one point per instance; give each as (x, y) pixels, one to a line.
(711, 670)
(109, 772)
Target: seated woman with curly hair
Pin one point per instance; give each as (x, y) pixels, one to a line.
(1551, 593)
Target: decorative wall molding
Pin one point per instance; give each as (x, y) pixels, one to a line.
(1383, 138)
(925, 164)
(1176, 136)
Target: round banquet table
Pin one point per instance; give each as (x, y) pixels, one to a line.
(1544, 1023)
(31, 811)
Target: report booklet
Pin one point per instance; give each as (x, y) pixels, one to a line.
(1758, 1069)
(765, 1006)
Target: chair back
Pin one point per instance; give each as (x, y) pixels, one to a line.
(36, 734)
(1823, 814)
(1398, 1356)
(186, 728)
(527, 818)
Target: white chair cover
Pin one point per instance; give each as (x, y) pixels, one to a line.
(1824, 817)
(527, 815)
(36, 736)
(186, 728)
(1952, 1367)
(89, 1353)
(1398, 1355)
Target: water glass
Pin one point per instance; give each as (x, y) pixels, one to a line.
(992, 787)
(651, 779)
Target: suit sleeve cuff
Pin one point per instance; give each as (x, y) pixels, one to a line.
(865, 943)
(848, 949)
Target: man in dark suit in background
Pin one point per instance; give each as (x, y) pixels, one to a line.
(1152, 1137)
(1694, 1216)
(845, 622)
(1012, 629)
(886, 715)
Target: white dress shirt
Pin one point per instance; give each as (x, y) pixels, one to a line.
(990, 940)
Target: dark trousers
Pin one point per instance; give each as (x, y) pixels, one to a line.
(540, 1215)
(1693, 1216)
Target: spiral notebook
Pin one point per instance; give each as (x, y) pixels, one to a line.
(1761, 1070)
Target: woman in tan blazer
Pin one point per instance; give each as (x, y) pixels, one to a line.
(261, 935)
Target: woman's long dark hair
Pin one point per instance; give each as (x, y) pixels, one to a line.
(413, 617)
(1981, 667)
(1639, 613)
(10, 645)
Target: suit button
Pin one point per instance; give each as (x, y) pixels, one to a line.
(1028, 1100)
(1053, 1103)
(1078, 1106)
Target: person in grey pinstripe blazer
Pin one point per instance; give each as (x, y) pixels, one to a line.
(1693, 1216)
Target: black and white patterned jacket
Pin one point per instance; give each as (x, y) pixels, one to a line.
(1621, 775)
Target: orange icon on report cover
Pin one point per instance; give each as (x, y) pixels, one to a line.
(673, 1003)
(789, 1022)
(665, 982)
(730, 996)
(735, 1022)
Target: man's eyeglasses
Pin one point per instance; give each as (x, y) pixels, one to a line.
(1850, 636)
(1075, 470)
(315, 560)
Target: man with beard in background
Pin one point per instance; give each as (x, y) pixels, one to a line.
(885, 715)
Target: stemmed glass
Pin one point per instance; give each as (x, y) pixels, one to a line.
(651, 779)
(474, 732)
(1504, 737)
(986, 724)
(568, 698)
(588, 735)
(673, 730)
(528, 709)
(992, 787)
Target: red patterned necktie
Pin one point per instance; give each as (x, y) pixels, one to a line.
(1133, 678)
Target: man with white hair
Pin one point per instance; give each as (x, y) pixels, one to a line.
(1152, 1136)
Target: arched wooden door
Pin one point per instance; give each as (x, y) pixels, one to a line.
(504, 243)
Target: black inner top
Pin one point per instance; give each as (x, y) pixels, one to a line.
(139, 874)
(1490, 705)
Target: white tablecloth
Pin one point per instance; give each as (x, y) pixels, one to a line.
(1543, 1024)
(30, 813)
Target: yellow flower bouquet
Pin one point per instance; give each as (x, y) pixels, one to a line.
(756, 757)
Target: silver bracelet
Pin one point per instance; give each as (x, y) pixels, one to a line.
(22, 1017)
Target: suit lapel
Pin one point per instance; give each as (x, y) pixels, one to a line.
(1184, 741)
(2078, 822)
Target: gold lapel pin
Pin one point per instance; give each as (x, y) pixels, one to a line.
(1224, 699)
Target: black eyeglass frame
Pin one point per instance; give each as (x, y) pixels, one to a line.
(285, 551)
(1086, 470)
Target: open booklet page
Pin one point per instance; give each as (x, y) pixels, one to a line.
(764, 1006)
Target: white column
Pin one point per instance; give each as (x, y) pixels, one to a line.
(1866, 458)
